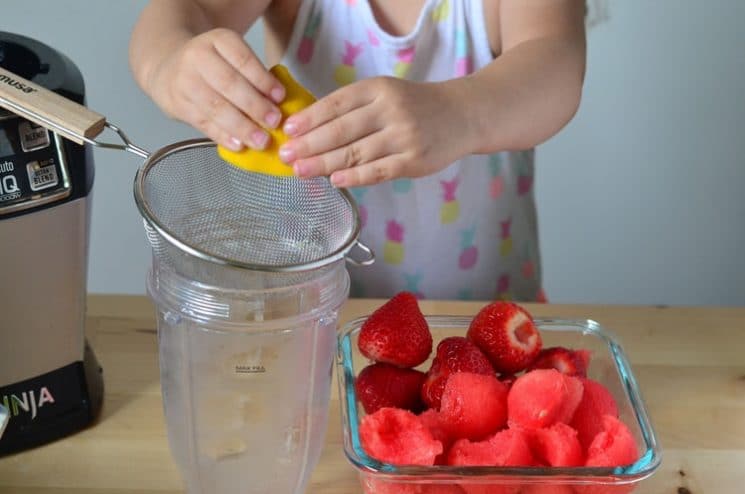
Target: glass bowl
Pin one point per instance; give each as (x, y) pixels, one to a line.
(608, 366)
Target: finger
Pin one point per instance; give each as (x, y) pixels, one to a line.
(356, 153)
(348, 128)
(234, 50)
(333, 106)
(233, 86)
(374, 172)
(208, 110)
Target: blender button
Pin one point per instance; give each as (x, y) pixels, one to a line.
(32, 136)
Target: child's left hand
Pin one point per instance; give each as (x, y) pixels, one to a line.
(376, 130)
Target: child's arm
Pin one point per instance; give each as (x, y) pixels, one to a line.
(190, 57)
(383, 128)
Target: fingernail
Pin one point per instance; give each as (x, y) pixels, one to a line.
(338, 179)
(259, 138)
(287, 154)
(290, 127)
(300, 169)
(277, 94)
(234, 144)
(272, 118)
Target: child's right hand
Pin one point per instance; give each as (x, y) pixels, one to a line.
(215, 83)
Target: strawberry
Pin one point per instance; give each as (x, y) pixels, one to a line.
(564, 360)
(454, 354)
(396, 333)
(507, 379)
(505, 332)
(383, 385)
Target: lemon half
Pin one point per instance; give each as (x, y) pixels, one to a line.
(267, 160)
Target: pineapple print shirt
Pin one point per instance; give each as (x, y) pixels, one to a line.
(468, 231)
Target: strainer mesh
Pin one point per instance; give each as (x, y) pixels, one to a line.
(242, 217)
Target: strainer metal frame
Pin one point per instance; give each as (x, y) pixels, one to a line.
(147, 213)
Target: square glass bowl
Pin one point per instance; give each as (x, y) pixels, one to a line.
(608, 365)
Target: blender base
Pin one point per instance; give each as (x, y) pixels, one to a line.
(54, 405)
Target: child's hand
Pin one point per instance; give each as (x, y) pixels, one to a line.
(217, 84)
(376, 130)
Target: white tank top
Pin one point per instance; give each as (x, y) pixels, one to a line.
(466, 232)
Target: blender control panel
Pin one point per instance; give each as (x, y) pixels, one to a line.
(32, 171)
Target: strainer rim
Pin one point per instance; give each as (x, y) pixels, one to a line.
(150, 217)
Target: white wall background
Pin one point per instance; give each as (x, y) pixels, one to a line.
(640, 197)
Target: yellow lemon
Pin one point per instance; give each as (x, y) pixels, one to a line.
(267, 160)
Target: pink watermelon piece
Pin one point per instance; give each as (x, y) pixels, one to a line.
(588, 419)
(397, 436)
(574, 393)
(432, 421)
(473, 406)
(441, 489)
(557, 446)
(508, 447)
(547, 489)
(501, 488)
(614, 446)
(542, 397)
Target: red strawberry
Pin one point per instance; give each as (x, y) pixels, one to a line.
(396, 333)
(505, 332)
(383, 385)
(569, 362)
(454, 354)
(507, 379)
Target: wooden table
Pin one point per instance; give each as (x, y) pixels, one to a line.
(690, 364)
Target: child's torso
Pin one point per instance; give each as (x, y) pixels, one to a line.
(393, 16)
(468, 231)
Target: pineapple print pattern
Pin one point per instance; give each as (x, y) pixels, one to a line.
(359, 193)
(496, 184)
(411, 284)
(469, 253)
(524, 172)
(484, 244)
(393, 250)
(402, 185)
(465, 294)
(308, 41)
(463, 63)
(450, 209)
(526, 267)
(442, 11)
(503, 287)
(372, 38)
(505, 243)
(346, 72)
(404, 58)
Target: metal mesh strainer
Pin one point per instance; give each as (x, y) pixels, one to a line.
(206, 207)
(220, 213)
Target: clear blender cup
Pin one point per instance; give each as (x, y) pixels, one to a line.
(248, 274)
